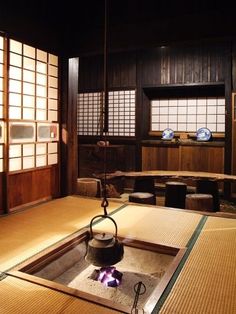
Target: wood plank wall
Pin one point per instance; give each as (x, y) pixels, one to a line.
(29, 187)
(202, 63)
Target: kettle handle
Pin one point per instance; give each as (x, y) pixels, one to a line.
(102, 216)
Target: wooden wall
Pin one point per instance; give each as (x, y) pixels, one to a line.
(1, 193)
(186, 158)
(204, 67)
(185, 64)
(30, 187)
(121, 71)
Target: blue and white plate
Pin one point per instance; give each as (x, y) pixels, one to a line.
(168, 134)
(203, 134)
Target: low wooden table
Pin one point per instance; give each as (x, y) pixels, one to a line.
(195, 175)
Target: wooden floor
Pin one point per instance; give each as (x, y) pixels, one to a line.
(204, 283)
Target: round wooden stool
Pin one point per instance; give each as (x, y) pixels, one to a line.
(89, 187)
(175, 194)
(209, 187)
(197, 201)
(142, 198)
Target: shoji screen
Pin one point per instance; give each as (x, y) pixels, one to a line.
(121, 113)
(32, 103)
(188, 114)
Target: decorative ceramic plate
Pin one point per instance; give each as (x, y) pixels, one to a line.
(203, 134)
(167, 134)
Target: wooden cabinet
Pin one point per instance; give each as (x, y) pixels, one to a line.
(200, 157)
(160, 158)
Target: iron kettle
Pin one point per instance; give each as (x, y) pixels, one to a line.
(104, 249)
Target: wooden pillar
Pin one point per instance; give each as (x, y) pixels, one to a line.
(69, 151)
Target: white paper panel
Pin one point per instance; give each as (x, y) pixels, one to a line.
(221, 110)
(212, 127)
(52, 148)
(1, 98)
(53, 59)
(15, 59)
(52, 104)
(1, 112)
(220, 128)
(28, 101)
(52, 159)
(15, 46)
(14, 112)
(41, 115)
(211, 119)
(52, 93)
(28, 149)
(221, 102)
(41, 91)
(41, 148)
(1, 56)
(41, 161)
(52, 81)
(1, 83)
(28, 113)
(52, 115)
(29, 51)
(29, 76)
(14, 164)
(41, 79)
(28, 88)
(29, 63)
(201, 119)
(1, 165)
(14, 99)
(15, 73)
(1, 70)
(41, 103)
(41, 67)
(41, 55)
(211, 101)
(1, 42)
(14, 151)
(14, 86)
(191, 127)
(1, 151)
(28, 162)
(220, 118)
(53, 71)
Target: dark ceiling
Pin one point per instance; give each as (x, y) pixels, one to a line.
(73, 28)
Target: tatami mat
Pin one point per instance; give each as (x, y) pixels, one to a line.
(207, 283)
(153, 224)
(22, 297)
(26, 233)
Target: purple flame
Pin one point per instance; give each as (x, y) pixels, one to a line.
(109, 276)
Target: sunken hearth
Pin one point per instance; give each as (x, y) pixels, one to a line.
(147, 264)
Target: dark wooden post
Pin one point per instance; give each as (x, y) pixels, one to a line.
(69, 150)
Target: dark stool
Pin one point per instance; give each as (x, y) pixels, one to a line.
(144, 191)
(209, 187)
(144, 184)
(175, 194)
(202, 202)
(142, 198)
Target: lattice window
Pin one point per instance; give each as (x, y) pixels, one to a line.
(188, 114)
(32, 100)
(121, 113)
